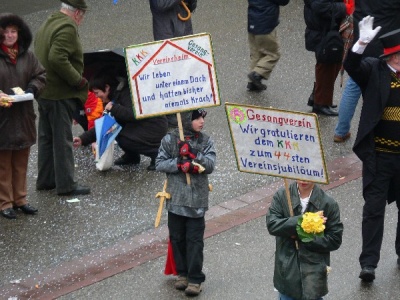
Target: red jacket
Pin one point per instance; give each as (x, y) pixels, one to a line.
(93, 109)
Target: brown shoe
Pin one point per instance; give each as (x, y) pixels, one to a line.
(181, 283)
(341, 139)
(193, 289)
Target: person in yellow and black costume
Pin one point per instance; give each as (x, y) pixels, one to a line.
(378, 138)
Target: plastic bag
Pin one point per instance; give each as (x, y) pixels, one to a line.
(105, 162)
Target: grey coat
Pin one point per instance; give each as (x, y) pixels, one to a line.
(302, 273)
(195, 194)
(166, 24)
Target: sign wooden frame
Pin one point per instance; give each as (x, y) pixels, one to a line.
(172, 76)
(277, 142)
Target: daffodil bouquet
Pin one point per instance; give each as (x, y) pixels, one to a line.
(310, 225)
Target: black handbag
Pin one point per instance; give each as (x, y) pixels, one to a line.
(330, 49)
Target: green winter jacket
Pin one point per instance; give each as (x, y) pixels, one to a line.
(302, 274)
(58, 48)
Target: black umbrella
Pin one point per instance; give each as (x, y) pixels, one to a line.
(98, 59)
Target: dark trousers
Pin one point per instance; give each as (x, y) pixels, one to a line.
(325, 77)
(80, 117)
(186, 236)
(375, 197)
(134, 149)
(55, 152)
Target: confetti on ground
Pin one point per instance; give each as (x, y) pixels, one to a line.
(73, 200)
(15, 281)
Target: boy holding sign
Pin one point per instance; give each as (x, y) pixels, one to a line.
(189, 201)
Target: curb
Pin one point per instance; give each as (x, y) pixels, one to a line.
(151, 244)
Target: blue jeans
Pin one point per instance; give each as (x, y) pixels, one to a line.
(348, 104)
(284, 297)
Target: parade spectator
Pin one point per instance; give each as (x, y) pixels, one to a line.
(301, 268)
(136, 136)
(318, 16)
(58, 48)
(166, 21)
(378, 138)
(19, 68)
(92, 110)
(189, 200)
(262, 20)
(385, 14)
(170, 20)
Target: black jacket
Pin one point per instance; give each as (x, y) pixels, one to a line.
(263, 15)
(385, 13)
(147, 131)
(317, 15)
(373, 77)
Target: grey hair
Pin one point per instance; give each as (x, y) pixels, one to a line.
(386, 58)
(68, 7)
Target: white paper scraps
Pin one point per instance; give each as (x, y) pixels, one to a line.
(73, 200)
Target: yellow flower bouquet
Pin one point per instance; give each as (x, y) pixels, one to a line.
(310, 225)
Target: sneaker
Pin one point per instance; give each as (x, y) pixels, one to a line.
(255, 79)
(193, 289)
(181, 283)
(341, 139)
(367, 274)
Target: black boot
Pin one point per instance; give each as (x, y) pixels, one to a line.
(152, 166)
(127, 160)
(310, 101)
(311, 98)
(255, 79)
(325, 110)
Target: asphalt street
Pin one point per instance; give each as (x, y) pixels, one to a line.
(122, 204)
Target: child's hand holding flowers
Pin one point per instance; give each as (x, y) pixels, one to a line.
(311, 225)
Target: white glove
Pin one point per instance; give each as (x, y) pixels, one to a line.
(366, 32)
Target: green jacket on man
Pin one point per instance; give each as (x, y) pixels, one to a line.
(59, 50)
